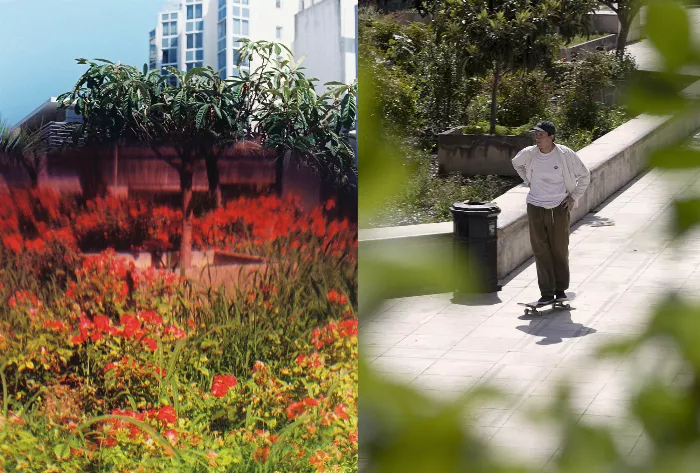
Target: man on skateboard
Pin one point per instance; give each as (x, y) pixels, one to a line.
(557, 178)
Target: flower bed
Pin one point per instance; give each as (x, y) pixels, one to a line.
(108, 367)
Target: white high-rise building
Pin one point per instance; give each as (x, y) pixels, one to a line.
(195, 33)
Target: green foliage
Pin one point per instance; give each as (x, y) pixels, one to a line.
(482, 127)
(583, 84)
(523, 97)
(508, 35)
(408, 432)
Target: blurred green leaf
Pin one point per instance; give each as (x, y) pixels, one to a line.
(381, 172)
(586, 449)
(686, 215)
(62, 451)
(676, 157)
(388, 274)
(656, 94)
(680, 320)
(668, 415)
(663, 17)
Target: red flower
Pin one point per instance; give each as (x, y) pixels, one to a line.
(222, 383)
(295, 409)
(151, 317)
(310, 402)
(340, 411)
(13, 242)
(337, 298)
(96, 336)
(152, 344)
(56, 325)
(12, 302)
(102, 322)
(131, 325)
(174, 331)
(330, 204)
(167, 414)
(77, 339)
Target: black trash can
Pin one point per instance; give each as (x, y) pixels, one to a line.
(475, 241)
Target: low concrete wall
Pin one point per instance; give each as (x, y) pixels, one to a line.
(614, 160)
(474, 155)
(606, 42)
(605, 21)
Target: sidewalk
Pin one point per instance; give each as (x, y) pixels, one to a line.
(621, 259)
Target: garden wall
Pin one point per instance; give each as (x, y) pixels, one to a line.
(614, 160)
(474, 155)
(606, 42)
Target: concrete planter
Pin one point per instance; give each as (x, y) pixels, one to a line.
(474, 155)
(607, 43)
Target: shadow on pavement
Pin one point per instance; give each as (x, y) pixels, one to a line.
(554, 326)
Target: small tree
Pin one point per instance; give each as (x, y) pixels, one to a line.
(626, 11)
(23, 148)
(508, 35)
(108, 96)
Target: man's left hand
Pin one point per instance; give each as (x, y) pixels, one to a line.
(568, 203)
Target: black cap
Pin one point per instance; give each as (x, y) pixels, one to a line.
(546, 126)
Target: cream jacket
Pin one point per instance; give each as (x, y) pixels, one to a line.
(576, 174)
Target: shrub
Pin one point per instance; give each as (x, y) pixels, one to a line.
(523, 97)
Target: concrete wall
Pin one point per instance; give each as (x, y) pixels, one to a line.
(326, 36)
(605, 21)
(606, 42)
(614, 160)
(479, 154)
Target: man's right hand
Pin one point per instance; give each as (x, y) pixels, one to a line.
(568, 203)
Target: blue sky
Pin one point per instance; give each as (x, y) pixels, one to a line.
(40, 39)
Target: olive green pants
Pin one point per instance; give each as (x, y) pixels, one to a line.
(549, 237)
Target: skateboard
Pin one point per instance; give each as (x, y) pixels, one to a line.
(533, 307)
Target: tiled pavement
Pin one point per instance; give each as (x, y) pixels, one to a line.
(621, 259)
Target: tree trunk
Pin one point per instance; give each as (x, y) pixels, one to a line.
(115, 159)
(33, 177)
(186, 174)
(214, 178)
(279, 173)
(625, 24)
(494, 90)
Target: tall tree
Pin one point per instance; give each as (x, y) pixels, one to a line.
(626, 11)
(503, 36)
(284, 112)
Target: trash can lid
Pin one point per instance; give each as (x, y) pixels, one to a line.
(472, 207)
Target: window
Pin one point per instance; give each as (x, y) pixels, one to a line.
(222, 3)
(199, 55)
(190, 12)
(236, 26)
(245, 27)
(222, 43)
(222, 73)
(173, 16)
(198, 11)
(195, 40)
(222, 59)
(236, 11)
(246, 12)
(190, 26)
(278, 3)
(166, 29)
(164, 17)
(278, 32)
(169, 56)
(189, 55)
(222, 14)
